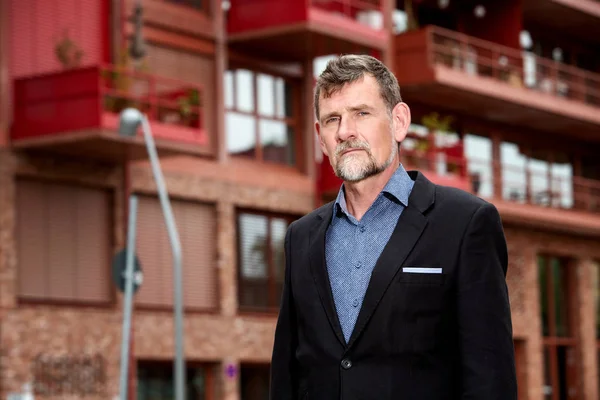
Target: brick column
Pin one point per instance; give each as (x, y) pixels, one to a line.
(231, 384)
(534, 349)
(227, 261)
(586, 332)
(8, 257)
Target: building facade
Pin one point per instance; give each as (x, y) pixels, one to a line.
(505, 100)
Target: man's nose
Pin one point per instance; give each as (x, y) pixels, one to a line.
(346, 129)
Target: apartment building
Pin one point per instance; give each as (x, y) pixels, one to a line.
(505, 99)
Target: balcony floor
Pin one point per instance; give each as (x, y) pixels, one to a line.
(321, 34)
(103, 145)
(492, 100)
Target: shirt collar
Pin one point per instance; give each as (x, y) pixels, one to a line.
(399, 187)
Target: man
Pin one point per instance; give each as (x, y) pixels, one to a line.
(397, 289)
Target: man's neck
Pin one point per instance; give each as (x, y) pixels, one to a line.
(361, 195)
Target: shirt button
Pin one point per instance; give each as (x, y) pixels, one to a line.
(362, 229)
(358, 265)
(346, 364)
(355, 303)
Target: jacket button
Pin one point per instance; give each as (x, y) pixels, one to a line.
(346, 364)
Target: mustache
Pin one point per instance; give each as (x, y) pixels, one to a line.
(352, 145)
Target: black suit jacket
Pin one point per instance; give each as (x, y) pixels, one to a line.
(418, 336)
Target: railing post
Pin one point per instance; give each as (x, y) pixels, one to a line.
(152, 98)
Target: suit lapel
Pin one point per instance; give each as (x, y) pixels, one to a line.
(319, 269)
(408, 229)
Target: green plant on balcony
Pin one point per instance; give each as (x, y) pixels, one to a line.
(437, 124)
(68, 52)
(188, 105)
(119, 80)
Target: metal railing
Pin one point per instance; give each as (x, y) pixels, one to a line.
(494, 180)
(527, 185)
(163, 99)
(522, 69)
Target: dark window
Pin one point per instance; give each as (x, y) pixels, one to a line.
(596, 289)
(556, 282)
(254, 381)
(261, 259)
(197, 4)
(155, 381)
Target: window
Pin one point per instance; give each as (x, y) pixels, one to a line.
(478, 151)
(197, 4)
(155, 381)
(255, 380)
(541, 177)
(556, 282)
(196, 224)
(596, 289)
(261, 259)
(521, 367)
(262, 121)
(63, 242)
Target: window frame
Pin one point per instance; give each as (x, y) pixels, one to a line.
(111, 298)
(203, 8)
(552, 342)
(295, 121)
(188, 309)
(257, 367)
(273, 303)
(209, 368)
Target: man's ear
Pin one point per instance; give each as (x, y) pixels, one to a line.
(401, 121)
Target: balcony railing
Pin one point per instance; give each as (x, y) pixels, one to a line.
(541, 187)
(164, 100)
(521, 69)
(535, 184)
(92, 97)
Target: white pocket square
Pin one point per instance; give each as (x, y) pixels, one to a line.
(420, 270)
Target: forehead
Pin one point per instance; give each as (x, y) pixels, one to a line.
(363, 91)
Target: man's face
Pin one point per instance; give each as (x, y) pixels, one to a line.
(357, 132)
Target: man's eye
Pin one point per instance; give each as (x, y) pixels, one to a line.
(329, 120)
(361, 113)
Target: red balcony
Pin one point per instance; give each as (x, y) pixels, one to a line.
(76, 112)
(453, 71)
(443, 165)
(578, 17)
(295, 30)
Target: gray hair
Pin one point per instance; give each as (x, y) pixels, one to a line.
(350, 68)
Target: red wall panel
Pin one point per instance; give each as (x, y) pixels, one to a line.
(38, 25)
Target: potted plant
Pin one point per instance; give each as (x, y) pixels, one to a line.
(68, 52)
(437, 124)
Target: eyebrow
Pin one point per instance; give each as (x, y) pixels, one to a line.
(353, 108)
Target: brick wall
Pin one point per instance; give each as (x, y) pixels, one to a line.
(226, 337)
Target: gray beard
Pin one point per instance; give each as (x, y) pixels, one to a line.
(350, 170)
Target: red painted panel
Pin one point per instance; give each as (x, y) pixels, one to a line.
(246, 15)
(501, 24)
(65, 102)
(38, 25)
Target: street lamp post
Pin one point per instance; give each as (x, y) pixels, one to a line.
(130, 120)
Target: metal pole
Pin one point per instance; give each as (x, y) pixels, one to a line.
(127, 305)
(179, 369)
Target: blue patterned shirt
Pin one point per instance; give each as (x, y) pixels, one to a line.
(352, 247)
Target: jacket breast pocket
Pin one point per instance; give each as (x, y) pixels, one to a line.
(419, 300)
